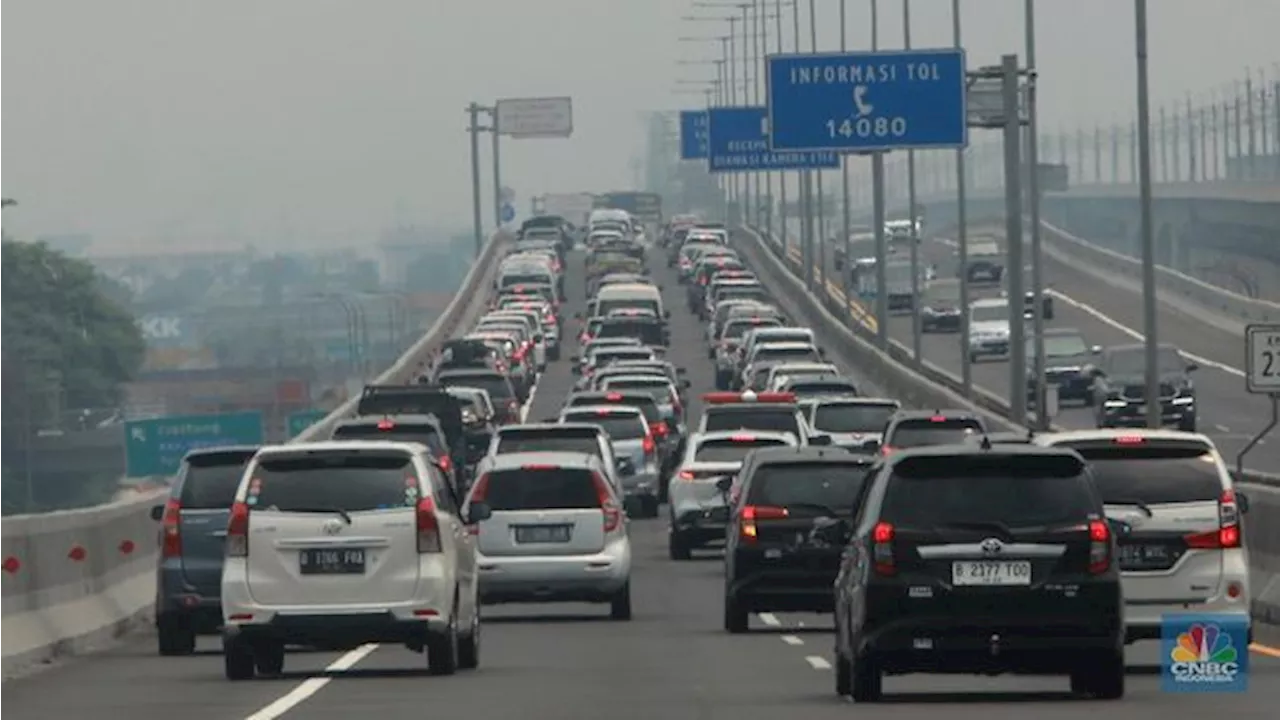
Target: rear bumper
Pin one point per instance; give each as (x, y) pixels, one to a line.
(644, 484)
(698, 526)
(792, 589)
(1142, 621)
(571, 578)
(338, 631)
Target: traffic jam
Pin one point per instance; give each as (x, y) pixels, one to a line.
(931, 542)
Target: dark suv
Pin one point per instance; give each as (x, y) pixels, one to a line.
(1119, 387)
(193, 523)
(986, 559)
(789, 521)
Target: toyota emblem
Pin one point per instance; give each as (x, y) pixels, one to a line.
(991, 546)
(332, 527)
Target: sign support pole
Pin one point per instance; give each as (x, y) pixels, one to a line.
(1033, 198)
(497, 170)
(1275, 420)
(1013, 240)
(1150, 320)
(473, 128)
(782, 175)
(962, 239)
(878, 214)
(846, 272)
(917, 334)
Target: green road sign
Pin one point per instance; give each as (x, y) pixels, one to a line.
(156, 446)
(301, 420)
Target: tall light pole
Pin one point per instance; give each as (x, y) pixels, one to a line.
(846, 270)
(1033, 199)
(877, 214)
(917, 334)
(962, 239)
(1149, 318)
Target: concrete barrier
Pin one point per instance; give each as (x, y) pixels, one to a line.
(75, 579)
(839, 324)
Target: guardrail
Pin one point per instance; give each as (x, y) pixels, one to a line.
(75, 579)
(851, 329)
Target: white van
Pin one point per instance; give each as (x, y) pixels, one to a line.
(629, 295)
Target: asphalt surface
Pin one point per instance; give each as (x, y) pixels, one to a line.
(561, 662)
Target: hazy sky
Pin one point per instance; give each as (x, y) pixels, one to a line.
(202, 124)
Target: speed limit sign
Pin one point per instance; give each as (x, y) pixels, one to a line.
(1262, 358)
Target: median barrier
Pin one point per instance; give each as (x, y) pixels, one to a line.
(75, 579)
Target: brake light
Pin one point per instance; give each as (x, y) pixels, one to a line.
(613, 396)
(171, 529)
(612, 513)
(238, 530)
(1129, 440)
(648, 444)
(445, 463)
(1099, 546)
(887, 450)
(752, 513)
(428, 527)
(660, 429)
(1227, 535)
(386, 424)
(882, 549)
(938, 418)
(728, 398)
(480, 488)
(686, 475)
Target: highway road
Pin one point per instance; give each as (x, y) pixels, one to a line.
(562, 662)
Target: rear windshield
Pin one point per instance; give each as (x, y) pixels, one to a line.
(647, 406)
(574, 441)
(920, 433)
(1023, 492)
(852, 418)
(322, 482)
(658, 388)
(211, 481)
(604, 307)
(812, 389)
(740, 293)
(399, 432)
(608, 355)
(774, 420)
(817, 488)
(523, 279)
(619, 426)
(541, 489)
(647, 333)
(732, 450)
(1154, 474)
(496, 385)
(736, 330)
(766, 354)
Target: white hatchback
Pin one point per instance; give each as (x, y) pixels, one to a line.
(336, 544)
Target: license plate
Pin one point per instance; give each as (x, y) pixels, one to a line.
(346, 561)
(542, 534)
(991, 572)
(1142, 557)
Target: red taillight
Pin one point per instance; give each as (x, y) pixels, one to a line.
(612, 513)
(882, 549)
(704, 280)
(445, 463)
(613, 396)
(386, 424)
(1227, 535)
(237, 542)
(886, 450)
(171, 529)
(649, 445)
(686, 475)
(1129, 440)
(479, 489)
(428, 527)
(938, 418)
(1099, 547)
(752, 513)
(660, 429)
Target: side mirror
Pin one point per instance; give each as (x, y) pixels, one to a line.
(1192, 367)
(1095, 349)
(575, 359)
(724, 484)
(822, 351)
(820, 440)
(666, 314)
(478, 512)
(871, 446)
(626, 468)
(157, 512)
(576, 369)
(686, 384)
(1242, 502)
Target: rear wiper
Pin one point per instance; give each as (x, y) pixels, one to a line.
(339, 511)
(1146, 509)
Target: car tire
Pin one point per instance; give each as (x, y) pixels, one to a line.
(553, 354)
(649, 506)
(1103, 678)
(711, 353)
(620, 604)
(844, 675)
(237, 660)
(735, 617)
(866, 681)
(173, 637)
(469, 643)
(442, 650)
(268, 658)
(677, 548)
(1186, 426)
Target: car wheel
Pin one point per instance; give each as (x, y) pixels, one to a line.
(844, 675)
(237, 660)
(1187, 425)
(174, 638)
(735, 618)
(620, 605)
(442, 650)
(866, 682)
(469, 643)
(268, 658)
(1103, 678)
(677, 548)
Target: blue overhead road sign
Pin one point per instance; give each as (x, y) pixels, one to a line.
(508, 212)
(902, 99)
(693, 134)
(299, 421)
(737, 141)
(156, 446)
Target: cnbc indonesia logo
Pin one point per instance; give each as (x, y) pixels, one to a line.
(1204, 655)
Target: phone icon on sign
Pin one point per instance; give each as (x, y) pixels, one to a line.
(860, 100)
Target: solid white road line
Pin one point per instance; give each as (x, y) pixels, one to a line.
(817, 662)
(770, 619)
(311, 686)
(792, 640)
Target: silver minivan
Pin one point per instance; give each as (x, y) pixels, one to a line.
(555, 532)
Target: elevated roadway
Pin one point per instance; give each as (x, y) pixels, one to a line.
(561, 662)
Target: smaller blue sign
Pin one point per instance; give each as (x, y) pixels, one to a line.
(299, 421)
(508, 212)
(693, 134)
(737, 141)
(866, 101)
(1206, 652)
(156, 446)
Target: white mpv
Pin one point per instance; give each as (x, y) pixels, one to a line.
(332, 545)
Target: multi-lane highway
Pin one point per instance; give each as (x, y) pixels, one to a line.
(672, 660)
